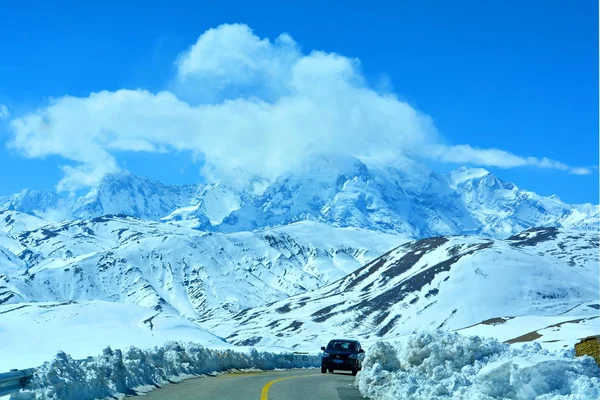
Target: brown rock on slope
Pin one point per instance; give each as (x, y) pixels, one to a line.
(589, 346)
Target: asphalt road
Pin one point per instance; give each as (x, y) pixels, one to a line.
(281, 385)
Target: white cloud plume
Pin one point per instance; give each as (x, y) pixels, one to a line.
(243, 104)
(230, 61)
(580, 171)
(4, 113)
(497, 158)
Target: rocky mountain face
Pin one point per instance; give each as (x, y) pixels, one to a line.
(127, 194)
(118, 193)
(408, 199)
(503, 209)
(32, 202)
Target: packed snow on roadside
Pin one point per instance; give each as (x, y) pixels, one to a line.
(117, 373)
(441, 365)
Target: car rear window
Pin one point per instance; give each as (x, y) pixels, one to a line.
(341, 346)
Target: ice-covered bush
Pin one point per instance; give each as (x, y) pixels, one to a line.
(116, 373)
(441, 365)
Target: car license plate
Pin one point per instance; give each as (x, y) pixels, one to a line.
(338, 361)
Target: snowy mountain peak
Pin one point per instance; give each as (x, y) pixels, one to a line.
(504, 209)
(465, 174)
(403, 196)
(328, 165)
(30, 201)
(123, 181)
(555, 198)
(125, 193)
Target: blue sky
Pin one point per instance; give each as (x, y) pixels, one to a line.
(513, 76)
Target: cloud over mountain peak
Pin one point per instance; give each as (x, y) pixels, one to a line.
(246, 106)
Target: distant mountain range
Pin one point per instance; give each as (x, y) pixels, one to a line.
(337, 246)
(406, 198)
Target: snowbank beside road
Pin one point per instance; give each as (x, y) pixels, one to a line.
(117, 373)
(441, 365)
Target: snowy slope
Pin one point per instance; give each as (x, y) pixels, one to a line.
(211, 204)
(13, 222)
(442, 282)
(180, 270)
(85, 329)
(552, 331)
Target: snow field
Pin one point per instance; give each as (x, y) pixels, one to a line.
(440, 365)
(32, 333)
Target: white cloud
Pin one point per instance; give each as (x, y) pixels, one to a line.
(580, 171)
(230, 61)
(85, 175)
(243, 104)
(498, 158)
(4, 114)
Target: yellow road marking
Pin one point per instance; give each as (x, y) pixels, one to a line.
(264, 394)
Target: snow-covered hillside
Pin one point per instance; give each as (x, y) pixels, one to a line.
(406, 198)
(176, 269)
(13, 222)
(84, 329)
(442, 282)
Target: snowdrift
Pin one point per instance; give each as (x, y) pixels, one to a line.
(117, 373)
(442, 365)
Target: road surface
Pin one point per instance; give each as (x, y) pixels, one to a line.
(280, 385)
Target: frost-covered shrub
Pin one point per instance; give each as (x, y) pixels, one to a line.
(116, 373)
(441, 365)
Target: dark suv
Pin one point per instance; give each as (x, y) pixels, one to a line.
(342, 354)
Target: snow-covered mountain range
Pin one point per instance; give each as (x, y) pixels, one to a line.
(406, 198)
(545, 278)
(308, 255)
(171, 268)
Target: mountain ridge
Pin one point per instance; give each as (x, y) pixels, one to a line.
(406, 198)
(171, 268)
(452, 283)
